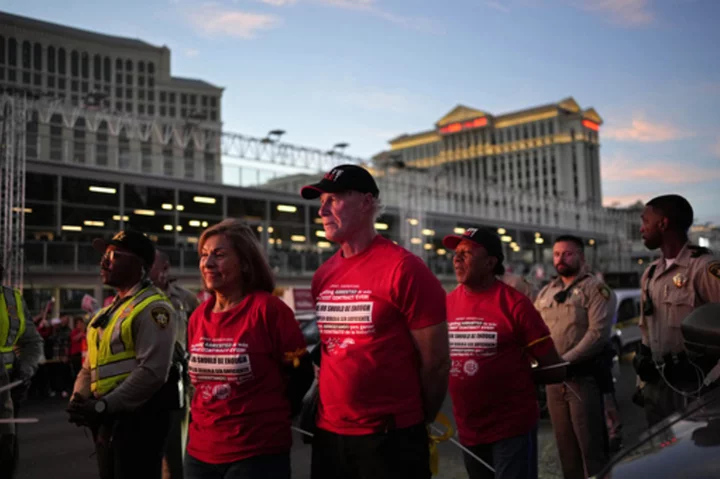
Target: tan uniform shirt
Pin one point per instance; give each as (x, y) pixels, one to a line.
(184, 303)
(154, 343)
(580, 327)
(675, 291)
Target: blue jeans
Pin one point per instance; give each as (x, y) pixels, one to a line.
(272, 466)
(512, 458)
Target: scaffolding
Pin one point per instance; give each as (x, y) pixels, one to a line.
(13, 121)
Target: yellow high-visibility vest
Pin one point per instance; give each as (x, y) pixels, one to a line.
(112, 356)
(12, 324)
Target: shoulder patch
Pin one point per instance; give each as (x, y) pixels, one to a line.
(714, 269)
(604, 291)
(698, 251)
(161, 316)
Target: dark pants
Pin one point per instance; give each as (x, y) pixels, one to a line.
(131, 446)
(9, 450)
(174, 446)
(512, 458)
(76, 361)
(578, 420)
(272, 466)
(396, 454)
(61, 378)
(661, 401)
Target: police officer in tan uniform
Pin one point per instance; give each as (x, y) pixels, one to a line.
(578, 308)
(683, 278)
(520, 283)
(184, 303)
(121, 391)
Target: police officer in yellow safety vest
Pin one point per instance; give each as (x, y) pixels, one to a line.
(21, 349)
(122, 392)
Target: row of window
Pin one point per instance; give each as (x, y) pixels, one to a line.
(123, 100)
(33, 56)
(89, 74)
(479, 137)
(98, 152)
(76, 208)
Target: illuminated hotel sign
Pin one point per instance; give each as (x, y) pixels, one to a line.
(463, 125)
(591, 125)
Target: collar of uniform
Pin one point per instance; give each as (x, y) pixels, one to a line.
(172, 290)
(133, 291)
(682, 259)
(581, 275)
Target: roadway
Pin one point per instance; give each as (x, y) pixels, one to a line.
(54, 448)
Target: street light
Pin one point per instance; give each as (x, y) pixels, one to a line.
(338, 148)
(273, 136)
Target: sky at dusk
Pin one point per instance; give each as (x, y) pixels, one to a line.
(365, 71)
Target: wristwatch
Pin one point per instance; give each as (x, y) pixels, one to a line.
(100, 406)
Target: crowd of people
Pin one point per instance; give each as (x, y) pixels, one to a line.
(393, 345)
(64, 347)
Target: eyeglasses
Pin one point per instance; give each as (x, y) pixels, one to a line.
(109, 256)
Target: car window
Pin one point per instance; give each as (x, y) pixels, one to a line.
(627, 310)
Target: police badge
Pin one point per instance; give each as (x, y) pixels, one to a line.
(679, 280)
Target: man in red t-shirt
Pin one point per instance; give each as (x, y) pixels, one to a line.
(495, 334)
(384, 345)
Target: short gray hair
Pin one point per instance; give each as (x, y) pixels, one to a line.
(378, 208)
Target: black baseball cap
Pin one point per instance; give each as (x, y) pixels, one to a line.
(485, 237)
(132, 241)
(342, 178)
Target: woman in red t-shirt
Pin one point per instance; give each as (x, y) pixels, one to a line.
(247, 363)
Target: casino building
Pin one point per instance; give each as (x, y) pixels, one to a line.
(551, 150)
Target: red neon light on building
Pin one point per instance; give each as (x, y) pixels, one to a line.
(591, 124)
(455, 127)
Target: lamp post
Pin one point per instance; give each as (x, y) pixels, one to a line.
(273, 136)
(338, 148)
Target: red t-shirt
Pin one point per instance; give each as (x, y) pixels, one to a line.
(491, 387)
(77, 339)
(366, 307)
(240, 408)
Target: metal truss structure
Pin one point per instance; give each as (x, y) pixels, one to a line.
(207, 136)
(12, 188)
(447, 189)
(264, 150)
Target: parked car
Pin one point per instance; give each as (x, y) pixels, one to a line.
(625, 334)
(686, 444)
(309, 328)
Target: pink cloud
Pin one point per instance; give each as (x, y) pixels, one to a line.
(627, 13)
(644, 131)
(627, 200)
(214, 20)
(621, 168)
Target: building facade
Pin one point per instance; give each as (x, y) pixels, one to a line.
(109, 101)
(550, 150)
